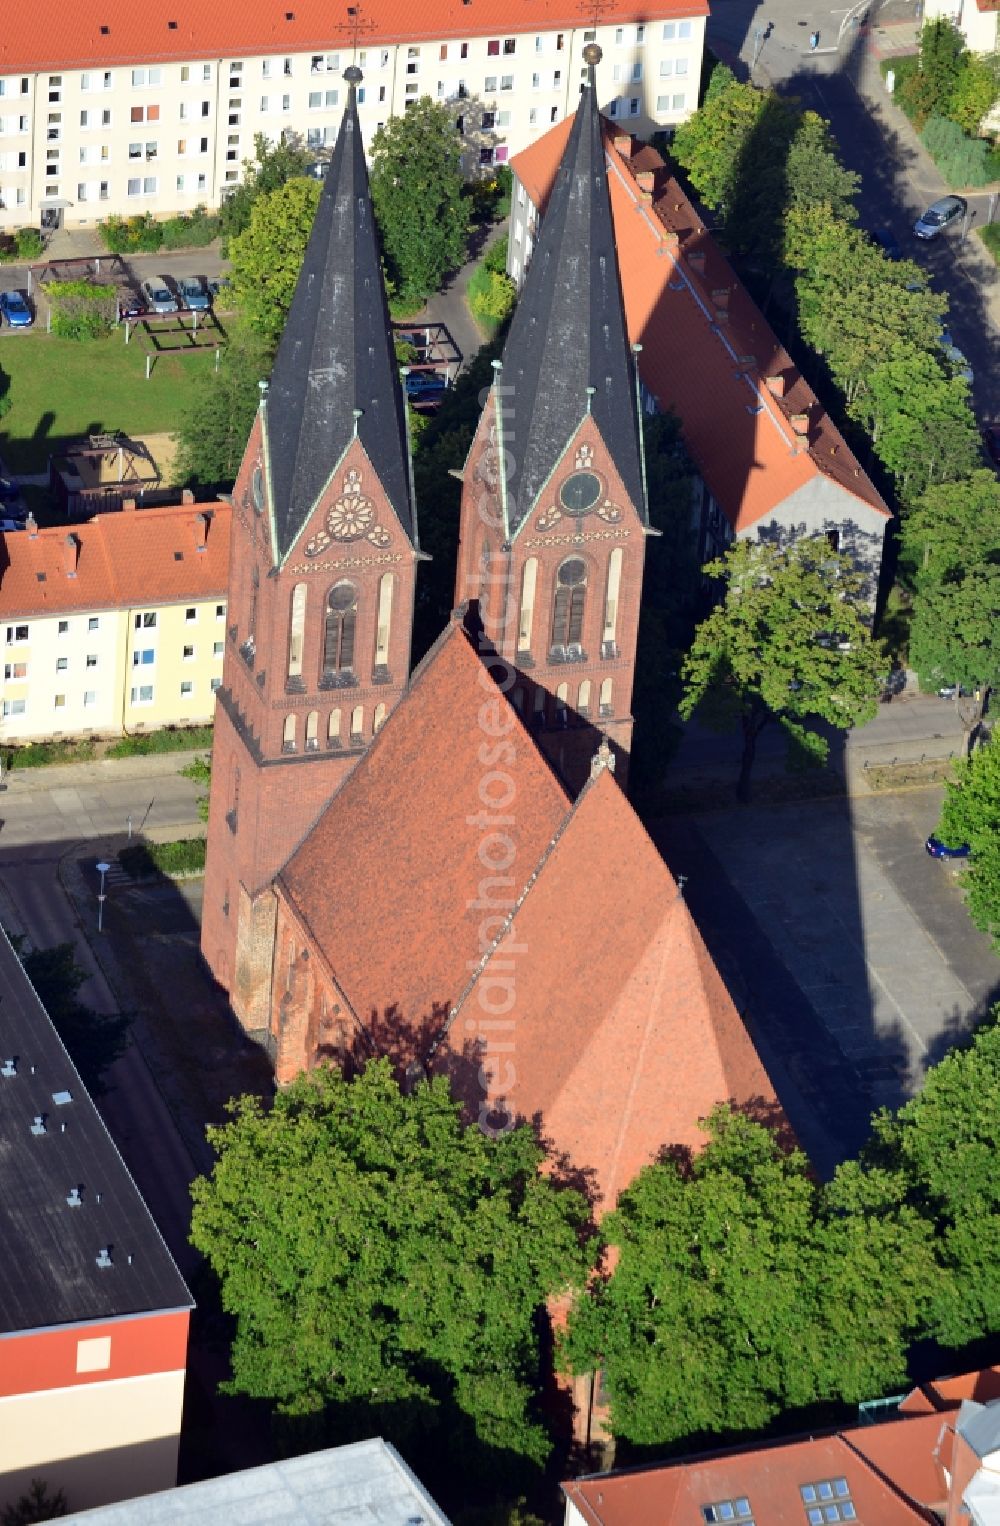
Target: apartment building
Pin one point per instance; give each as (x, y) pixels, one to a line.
(153, 109)
(113, 626)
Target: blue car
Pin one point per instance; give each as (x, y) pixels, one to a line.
(938, 849)
(425, 386)
(15, 310)
(193, 294)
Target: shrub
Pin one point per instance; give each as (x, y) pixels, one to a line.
(194, 231)
(496, 256)
(38, 754)
(186, 856)
(170, 739)
(991, 238)
(130, 235)
(491, 296)
(28, 243)
(961, 160)
(80, 310)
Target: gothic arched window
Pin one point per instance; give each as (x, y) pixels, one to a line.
(528, 579)
(312, 731)
(339, 631)
(568, 607)
(611, 602)
(288, 734)
(297, 627)
(383, 629)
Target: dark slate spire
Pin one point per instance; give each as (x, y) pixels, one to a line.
(568, 332)
(336, 353)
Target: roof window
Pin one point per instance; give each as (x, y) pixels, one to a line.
(828, 1500)
(737, 1509)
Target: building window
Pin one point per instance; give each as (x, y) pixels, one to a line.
(583, 698)
(15, 670)
(216, 648)
(606, 705)
(62, 663)
(384, 626)
(91, 659)
(146, 621)
(568, 608)
(189, 615)
(94, 622)
(13, 707)
(288, 735)
(378, 717)
(216, 683)
(339, 632)
(312, 731)
(357, 723)
(16, 633)
(737, 1510)
(143, 657)
(187, 688)
(93, 1354)
(143, 695)
(611, 603)
(89, 697)
(296, 630)
(529, 578)
(333, 729)
(220, 611)
(189, 654)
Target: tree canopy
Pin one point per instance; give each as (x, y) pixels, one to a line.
(373, 1249)
(417, 192)
(267, 256)
(271, 166)
(789, 642)
(742, 1287)
(219, 412)
(971, 814)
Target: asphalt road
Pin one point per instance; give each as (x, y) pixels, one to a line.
(898, 178)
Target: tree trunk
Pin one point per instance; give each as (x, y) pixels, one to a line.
(751, 731)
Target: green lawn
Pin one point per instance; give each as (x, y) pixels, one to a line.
(61, 389)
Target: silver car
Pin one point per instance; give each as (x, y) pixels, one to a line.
(158, 297)
(940, 215)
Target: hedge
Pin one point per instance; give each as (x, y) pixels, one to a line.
(142, 860)
(131, 235)
(963, 161)
(81, 310)
(170, 739)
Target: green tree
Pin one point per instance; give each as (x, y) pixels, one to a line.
(219, 413)
(971, 814)
(711, 144)
(374, 1249)
(93, 1040)
(789, 642)
(814, 172)
(267, 256)
(976, 91)
(741, 1287)
(200, 770)
(941, 1149)
(271, 166)
(417, 186)
(921, 424)
(942, 51)
(37, 1505)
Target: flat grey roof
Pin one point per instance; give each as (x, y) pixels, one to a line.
(52, 1141)
(366, 1483)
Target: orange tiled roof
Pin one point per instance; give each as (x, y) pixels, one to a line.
(388, 880)
(106, 32)
(945, 1394)
(707, 350)
(621, 1034)
(121, 560)
(889, 1469)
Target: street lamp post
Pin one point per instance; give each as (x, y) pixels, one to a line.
(102, 870)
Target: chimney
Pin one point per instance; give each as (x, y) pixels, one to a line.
(645, 180)
(623, 144)
(672, 242)
(776, 384)
(696, 259)
(71, 555)
(128, 505)
(800, 423)
(187, 496)
(722, 316)
(31, 525)
(200, 526)
(721, 297)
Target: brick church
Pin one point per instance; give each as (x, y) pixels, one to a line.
(443, 866)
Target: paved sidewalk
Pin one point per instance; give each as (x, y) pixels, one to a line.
(155, 765)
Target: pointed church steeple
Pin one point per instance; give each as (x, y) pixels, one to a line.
(567, 352)
(335, 371)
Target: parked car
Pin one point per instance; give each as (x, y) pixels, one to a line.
(887, 242)
(939, 215)
(425, 386)
(8, 526)
(158, 297)
(15, 310)
(193, 294)
(949, 691)
(219, 286)
(938, 849)
(991, 439)
(958, 360)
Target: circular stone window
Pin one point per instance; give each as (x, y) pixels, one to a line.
(257, 489)
(580, 492)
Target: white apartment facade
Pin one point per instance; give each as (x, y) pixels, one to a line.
(91, 135)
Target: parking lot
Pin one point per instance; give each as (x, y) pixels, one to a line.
(846, 947)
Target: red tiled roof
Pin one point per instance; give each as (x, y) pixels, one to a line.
(889, 1468)
(388, 879)
(105, 32)
(711, 370)
(945, 1394)
(621, 1034)
(147, 556)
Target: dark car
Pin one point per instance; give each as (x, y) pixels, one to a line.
(939, 215)
(938, 849)
(425, 386)
(8, 526)
(888, 243)
(193, 294)
(15, 310)
(157, 296)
